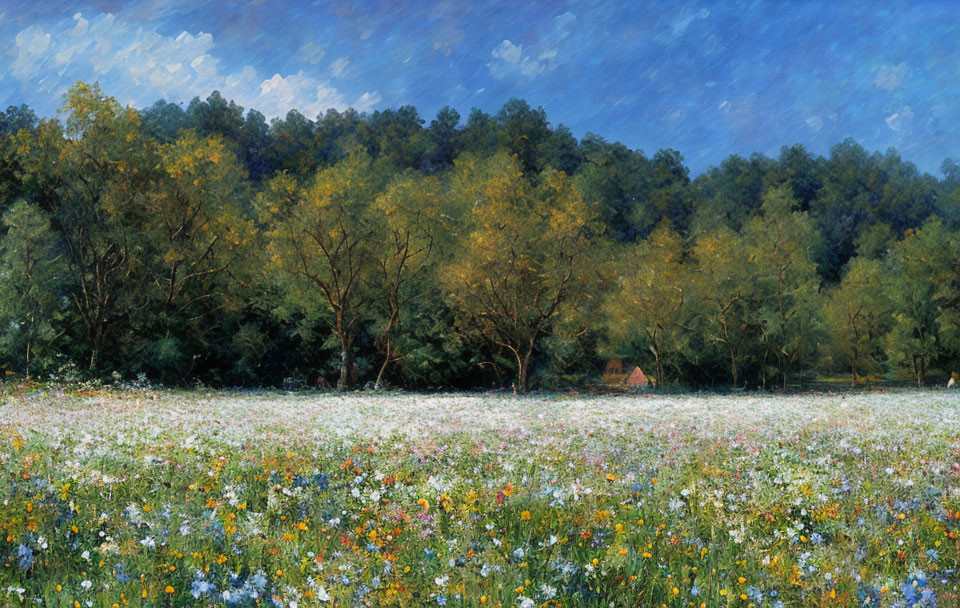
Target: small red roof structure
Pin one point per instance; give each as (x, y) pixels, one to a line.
(638, 378)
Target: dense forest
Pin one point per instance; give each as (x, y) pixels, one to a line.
(206, 244)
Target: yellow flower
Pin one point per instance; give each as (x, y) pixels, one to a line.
(525, 516)
(169, 589)
(723, 592)
(611, 477)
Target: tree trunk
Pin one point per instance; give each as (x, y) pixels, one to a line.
(383, 367)
(659, 365)
(523, 367)
(522, 378)
(346, 366)
(733, 368)
(387, 333)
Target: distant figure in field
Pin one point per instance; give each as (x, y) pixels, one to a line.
(322, 383)
(952, 382)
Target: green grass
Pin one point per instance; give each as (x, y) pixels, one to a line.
(185, 498)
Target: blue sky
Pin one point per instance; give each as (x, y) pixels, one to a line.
(707, 78)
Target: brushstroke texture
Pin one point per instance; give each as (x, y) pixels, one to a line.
(707, 78)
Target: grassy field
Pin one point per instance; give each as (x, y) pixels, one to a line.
(145, 498)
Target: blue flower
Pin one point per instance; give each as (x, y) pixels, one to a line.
(200, 587)
(25, 557)
(259, 580)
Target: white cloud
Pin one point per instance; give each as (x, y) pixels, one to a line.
(901, 120)
(367, 101)
(531, 67)
(33, 40)
(339, 66)
(140, 65)
(890, 77)
(32, 43)
(312, 53)
(278, 95)
(541, 56)
(81, 26)
(512, 58)
(508, 51)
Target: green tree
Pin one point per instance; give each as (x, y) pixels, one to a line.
(781, 242)
(397, 137)
(409, 217)
(197, 247)
(651, 304)
(444, 134)
(31, 285)
(913, 340)
(523, 131)
(614, 176)
(726, 297)
(199, 227)
(858, 317)
(323, 239)
(93, 178)
(523, 260)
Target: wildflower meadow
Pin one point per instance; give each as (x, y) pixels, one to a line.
(139, 497)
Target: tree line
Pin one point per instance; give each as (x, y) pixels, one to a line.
(204, 244)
